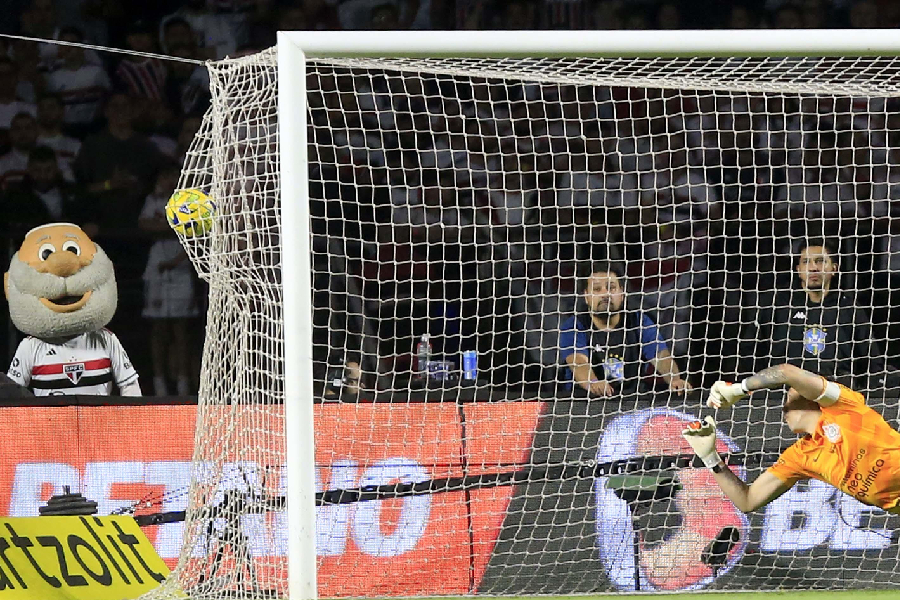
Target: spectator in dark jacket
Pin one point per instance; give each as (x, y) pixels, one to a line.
(43, 196)
(816, 327)
(605, 348)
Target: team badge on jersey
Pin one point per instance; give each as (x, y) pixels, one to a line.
(74, 372)
(614, 368)
(832, 431)
(814, 340)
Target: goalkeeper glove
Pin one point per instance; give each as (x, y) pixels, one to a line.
(702, 438)
(723, 394)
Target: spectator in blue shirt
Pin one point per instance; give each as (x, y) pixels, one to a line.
(605, 347)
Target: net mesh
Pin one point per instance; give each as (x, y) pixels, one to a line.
(467, 200)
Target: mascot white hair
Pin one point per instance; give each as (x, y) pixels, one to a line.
(61, 289)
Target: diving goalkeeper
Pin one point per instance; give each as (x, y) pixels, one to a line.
(844, 442)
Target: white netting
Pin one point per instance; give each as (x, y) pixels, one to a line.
(466, 199)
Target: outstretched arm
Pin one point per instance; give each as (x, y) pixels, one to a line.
(748, 498)
(809, 385)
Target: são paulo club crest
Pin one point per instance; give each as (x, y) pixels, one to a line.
(814, 340)
(74, 371)
(614, 368)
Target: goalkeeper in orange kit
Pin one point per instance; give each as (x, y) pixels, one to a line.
(844, 442)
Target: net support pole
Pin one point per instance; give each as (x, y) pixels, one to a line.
(297, 288)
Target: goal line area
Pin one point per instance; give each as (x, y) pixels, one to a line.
(746, 595)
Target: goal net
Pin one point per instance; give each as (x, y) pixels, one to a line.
(466, 200)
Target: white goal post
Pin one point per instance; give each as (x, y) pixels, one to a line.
(716, 94)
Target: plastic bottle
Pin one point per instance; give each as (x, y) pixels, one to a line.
(423, 355)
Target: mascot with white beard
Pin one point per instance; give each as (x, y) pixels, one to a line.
(62, 291)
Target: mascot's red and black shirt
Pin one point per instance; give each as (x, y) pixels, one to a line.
(87, 364)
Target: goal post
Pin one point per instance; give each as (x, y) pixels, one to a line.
(375, 187)
(298, 342)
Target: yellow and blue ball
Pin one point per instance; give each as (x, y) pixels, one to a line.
(190, 212)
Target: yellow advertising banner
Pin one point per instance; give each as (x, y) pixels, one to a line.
(76, 558)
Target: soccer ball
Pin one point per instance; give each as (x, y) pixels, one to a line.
(190, 212)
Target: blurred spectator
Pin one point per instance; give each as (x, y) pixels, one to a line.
(22, 139)
(117, 167)
(187, 84)
(470, 15)
(741, 16)
(176, 32)
(788, 17)
(564, 14)
(100, 20)
(49, 120)
(250, 20)
(605, 346)
(144, 80)
(818, 189)
(677, 191)
(864, 15)
(636, 19)
(138, 76)
(40, 20)
(602, 184)
(10, 103)
(668, 263)
(30, 75)
(41, 197)
(385, 15)
(519, 15)
(607, 14)
(81, 86)
(189, 128)
(213, 34)
(668, 16)
(816, 13)
(170, 294)
(322, 15)
(815, 326)
(668, 257)
(292, 18)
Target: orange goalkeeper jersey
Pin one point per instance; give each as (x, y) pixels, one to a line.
(853, 449)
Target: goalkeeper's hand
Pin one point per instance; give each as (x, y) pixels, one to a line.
(723, 394)
(701, 436)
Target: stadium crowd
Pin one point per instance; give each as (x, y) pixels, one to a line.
(459, 198)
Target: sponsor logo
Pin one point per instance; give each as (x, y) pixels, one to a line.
(673, 562)
(51, 352)
(813, 516)
(419, 545)
(799, 315)
(101, 558)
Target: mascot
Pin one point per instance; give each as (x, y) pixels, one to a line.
(62, 292)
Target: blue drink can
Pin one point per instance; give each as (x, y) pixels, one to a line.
(470, 365)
